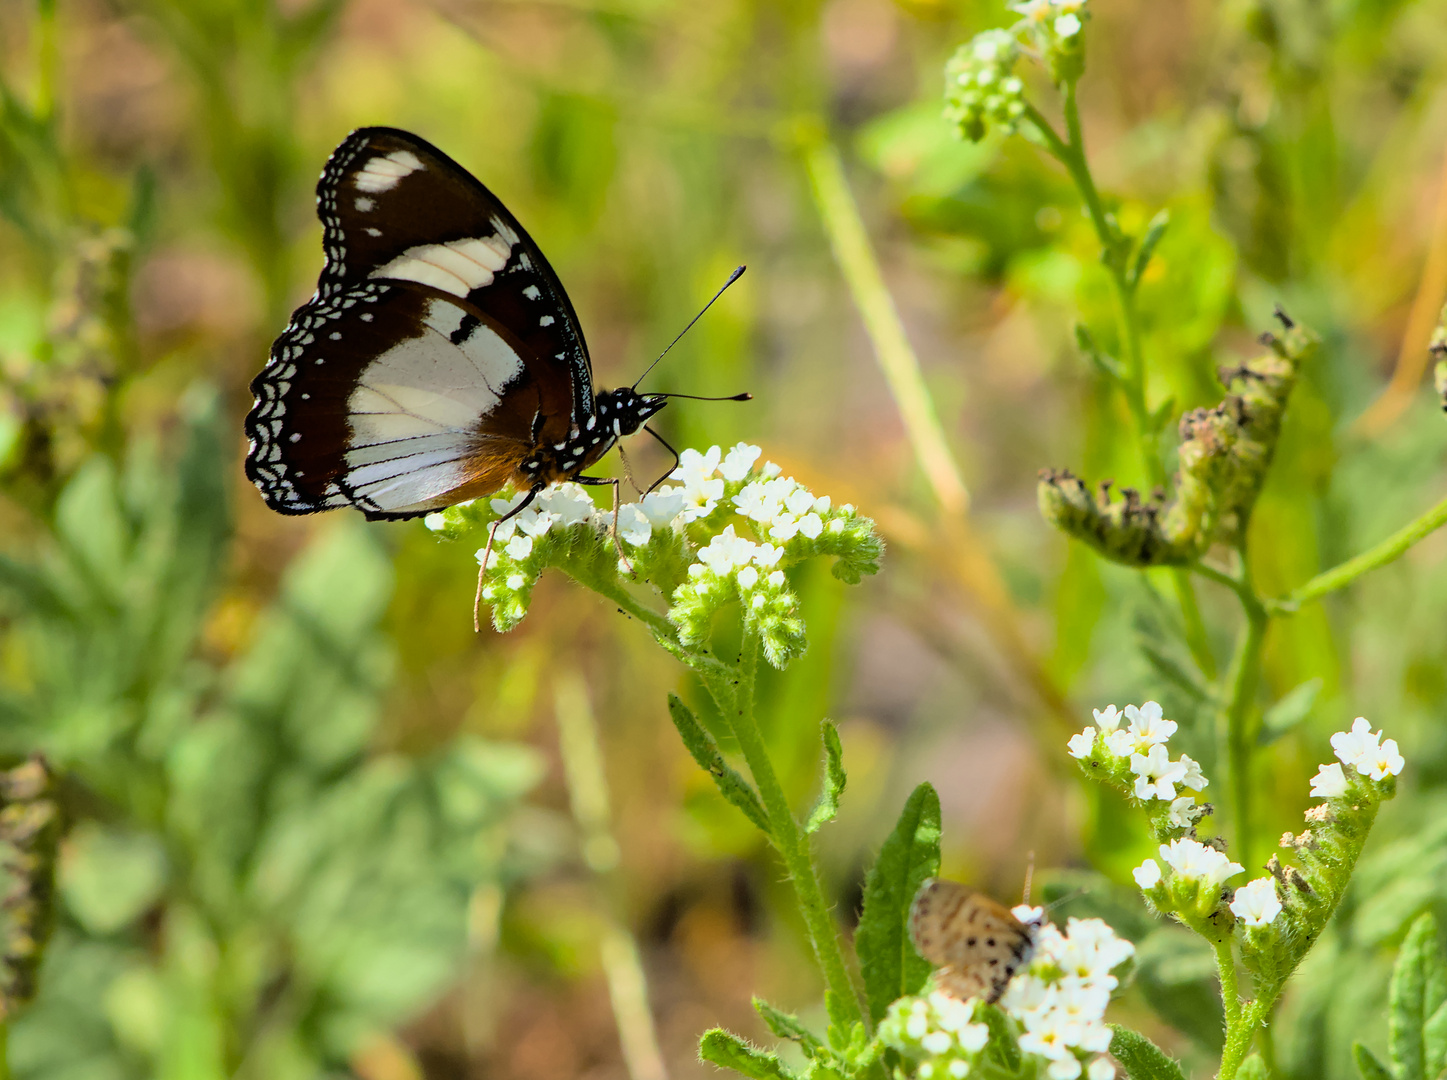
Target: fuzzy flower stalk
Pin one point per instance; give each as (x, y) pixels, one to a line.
(1271, 921)
(718, 545)
(1053, 1014)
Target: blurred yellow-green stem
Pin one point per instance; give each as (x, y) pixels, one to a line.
(855, 256)
(582, 754)
(1339, 577)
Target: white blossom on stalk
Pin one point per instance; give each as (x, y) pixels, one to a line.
(1364, 750)
(1148, 723)
(1148, 874)
(1082, 744)
(1194, 860)
(1180, 814)
(1256, 902)
(1329, 782)
(1386, 761)
(1156, 774)
(1108, 719)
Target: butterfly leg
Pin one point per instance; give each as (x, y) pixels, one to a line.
(599, 481)
(487, 555)
(666, 446)
(628, 471)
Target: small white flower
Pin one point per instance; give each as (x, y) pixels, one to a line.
(535, 522)
(1191, 859)
(1081, 745)
(747, 577)
(937, 1042)
(1108, 719)
(1147, 723)
(1156, 774)
(784, 527)
(767, 555)
(776, 579)
(1048, 1042)
(1359, 742)
(633, 524)
(811, 525)
(435, 522)
(726, 552)
(1194, 778)
(973, 1037)
(662, 506)
(957, 1069)
(1028, 914)
(1329, 782)
(916, 1026)
(701, 489)
(739, 461)
(568, 503)
(1067, 25)
(1100, 1069)
(1120, 743)
(502, 507)
(1066, 1068)
(1095, 1038)
(822, 504)
(1256, 903)
(519, 547)
(515, 582)
(1385, 762)
(1180, 813)
(770, 470)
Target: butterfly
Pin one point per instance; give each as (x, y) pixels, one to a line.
(440, 357)
(976, 943)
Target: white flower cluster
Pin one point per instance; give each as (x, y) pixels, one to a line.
(941, 1029)
(1142, 745)
(1364, 751)
(1060, 999)
(1058, 1004)
(1061, 16)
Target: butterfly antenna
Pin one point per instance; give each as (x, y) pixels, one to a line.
(1029, 874)
(732, 278)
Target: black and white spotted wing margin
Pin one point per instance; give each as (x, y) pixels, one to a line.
(438, 349)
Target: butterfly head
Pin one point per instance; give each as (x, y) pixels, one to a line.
(625, 410)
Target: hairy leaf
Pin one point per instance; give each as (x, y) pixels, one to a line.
(728, 1051)
(705, 751)
(1142, 1059)
(834, 781)
(1417, 993)
(788, 1026)
(910, 855)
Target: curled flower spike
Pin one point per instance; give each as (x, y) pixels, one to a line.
(981, 89)
(1223, 455)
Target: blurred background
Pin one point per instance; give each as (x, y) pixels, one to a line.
(317, 827)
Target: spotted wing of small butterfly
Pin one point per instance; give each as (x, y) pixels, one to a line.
(976, 943)
(438, 352)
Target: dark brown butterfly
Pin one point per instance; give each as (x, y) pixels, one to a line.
(440, 357)
(976, 943)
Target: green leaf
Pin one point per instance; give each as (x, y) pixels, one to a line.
(834, 781)
(728, 1051)
(1289, 711)
(1003, 1042)
(1154, 231)
(788, 1026)
(1416, 980)
(1105, 365)
(1368, 1065)
(1434, 1041)
(911, 855)
(1253, 1068)
(705, 751)
(1142, 1059)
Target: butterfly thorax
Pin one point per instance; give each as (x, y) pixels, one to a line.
(616, 413)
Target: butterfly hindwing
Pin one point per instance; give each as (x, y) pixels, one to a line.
(394, 400)
(977, 943)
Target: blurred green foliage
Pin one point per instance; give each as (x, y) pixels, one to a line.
(291, 778)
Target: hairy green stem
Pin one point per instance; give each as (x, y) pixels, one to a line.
(1240, 1035)
(1390, 549)
(1230, 993)
(855, 256)
(736, 703)
(1115, 249)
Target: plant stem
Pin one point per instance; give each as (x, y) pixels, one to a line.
(736, 702)
(1115, 249)
(1239, 1035)
(855, 256)
(1390, 549)
(1230, 994)
(1234, 726)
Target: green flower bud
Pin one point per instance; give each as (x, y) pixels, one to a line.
(980, 89)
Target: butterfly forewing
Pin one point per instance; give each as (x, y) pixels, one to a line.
(439, 348)
(976, 943)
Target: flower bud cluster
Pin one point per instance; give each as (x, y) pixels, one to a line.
(1056, 1008)
(1224, 454)
(1134, 758)
(726, 532)
(981, 89)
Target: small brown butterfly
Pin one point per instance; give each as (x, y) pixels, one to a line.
(976, 943)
